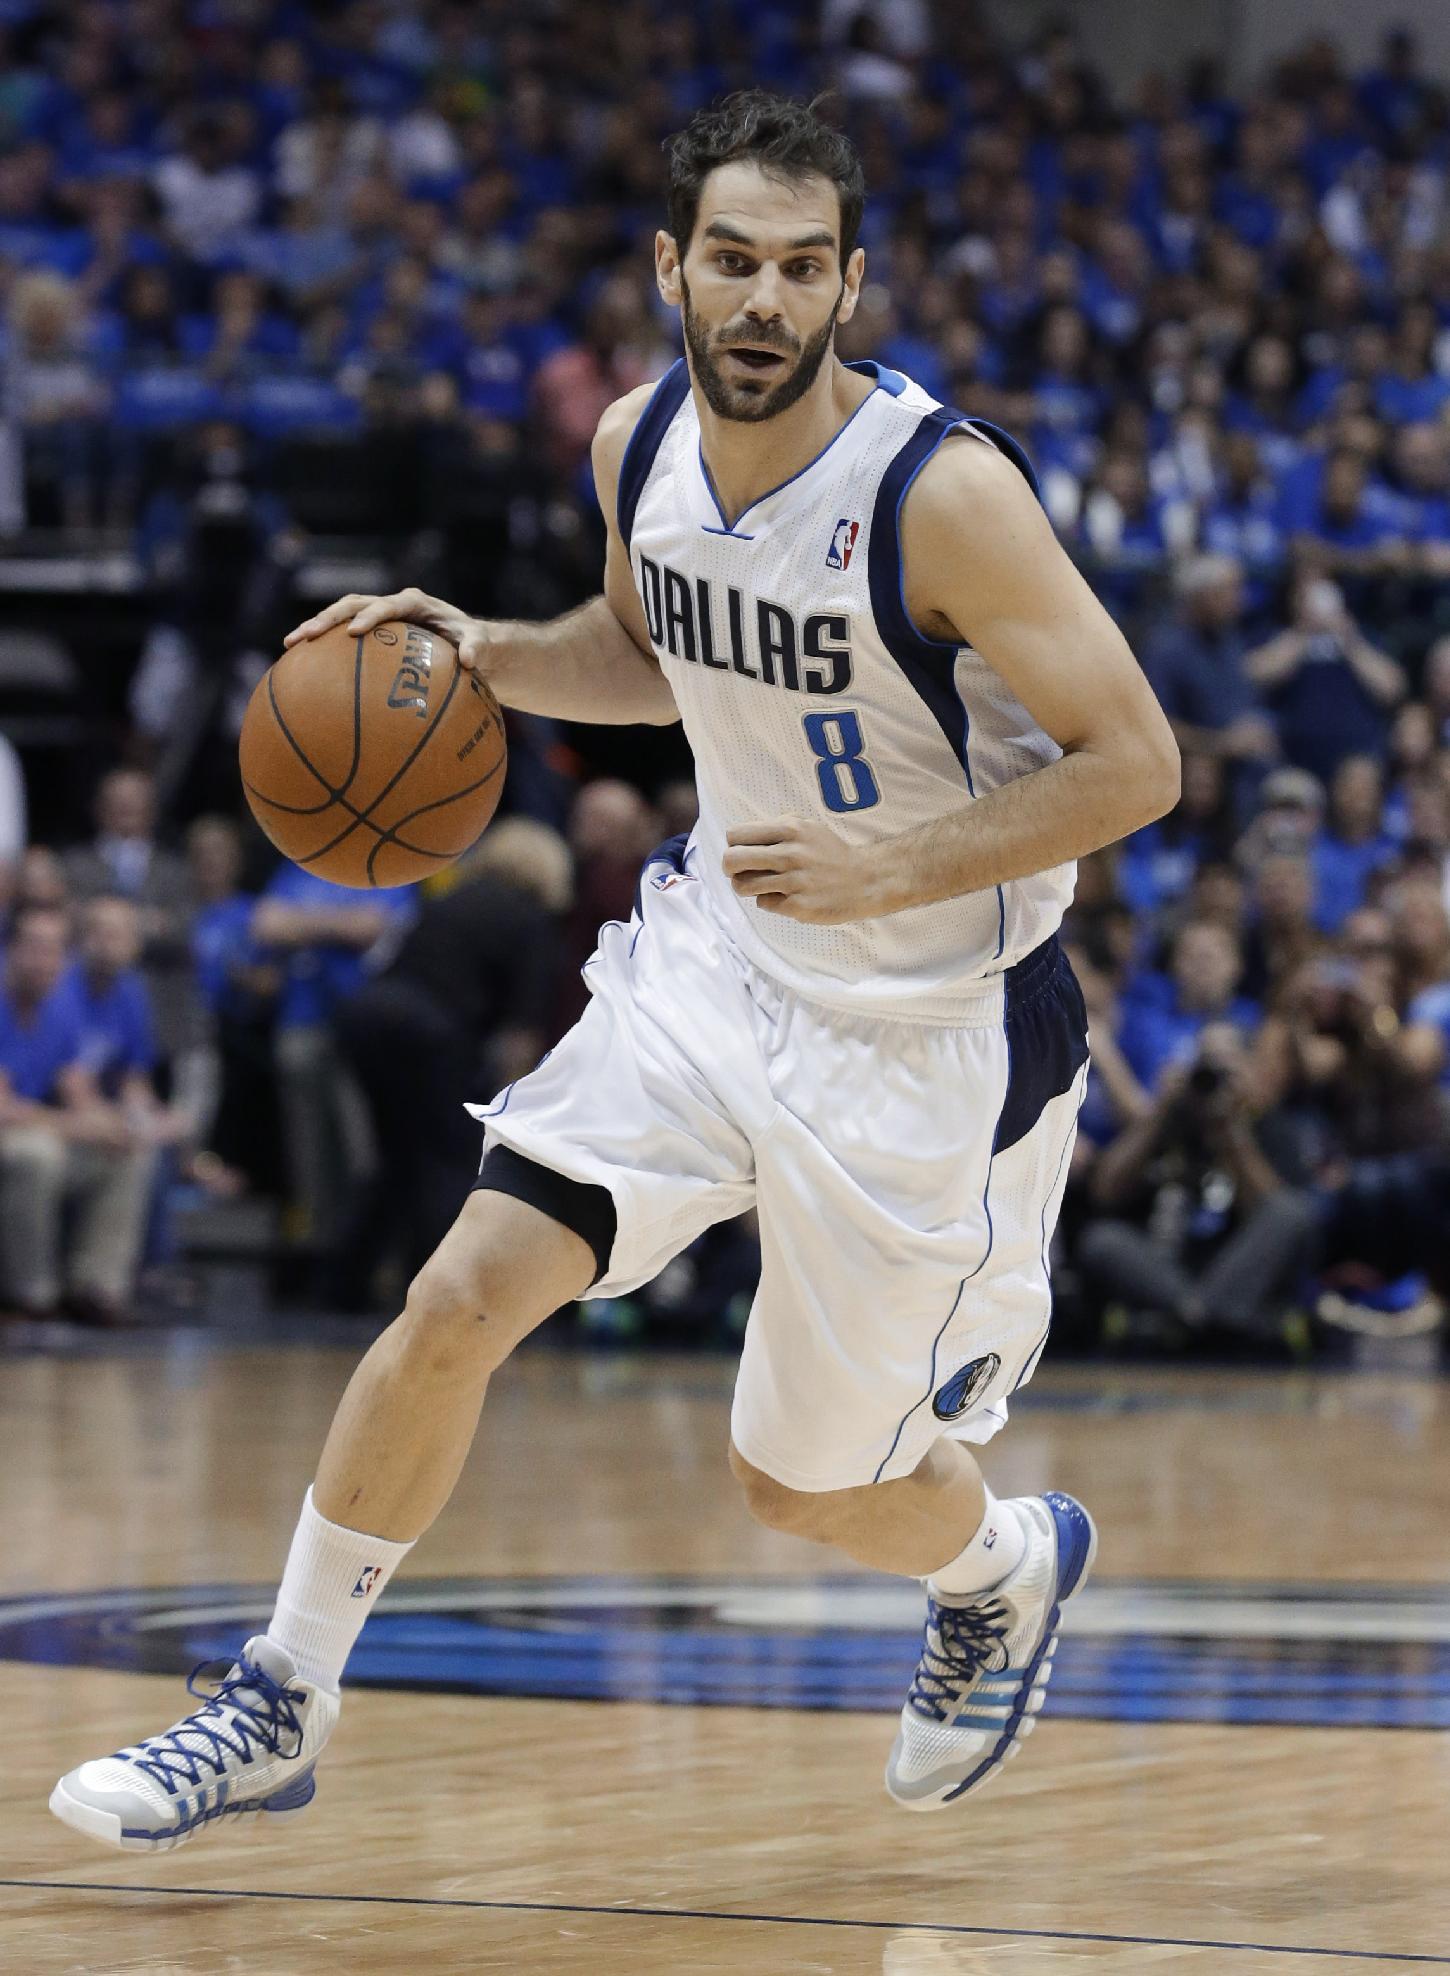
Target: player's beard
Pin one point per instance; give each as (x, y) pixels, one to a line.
(752, 404)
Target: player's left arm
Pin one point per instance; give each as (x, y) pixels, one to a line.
(982, 566)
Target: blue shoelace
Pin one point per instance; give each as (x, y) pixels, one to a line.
(262, 1713)
(968, 1638)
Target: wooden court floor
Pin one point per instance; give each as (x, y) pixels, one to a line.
(608, 1734)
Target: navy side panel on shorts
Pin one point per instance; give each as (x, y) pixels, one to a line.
(671, 854)
(1047, 1043)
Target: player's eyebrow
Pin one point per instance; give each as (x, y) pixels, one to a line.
(723, 230)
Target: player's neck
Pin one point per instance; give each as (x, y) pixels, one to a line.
(746, 461)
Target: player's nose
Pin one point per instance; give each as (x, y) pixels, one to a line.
(765, 304)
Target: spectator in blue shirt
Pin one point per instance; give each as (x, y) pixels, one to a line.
(1329, 690)
(118, 1024)
(1065, 399)
(109, 996)
(319, 934)
(1282, 935)
(1348, 532)
(1393, 96)
(1196, 664)
(1412, 389)
(1339, 138)
(1353, 846)
(1127, 534)
(1421, 465)
(222, 950)
(54, 394)
(1161, 1021)
(237, 1134)
(1263, 405)
(64, 1149)
(1242, 520)
(1159, 864)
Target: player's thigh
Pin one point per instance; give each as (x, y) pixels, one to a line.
(502, 1268)
(907, 1198)
(871, 1338)
(654, 1096)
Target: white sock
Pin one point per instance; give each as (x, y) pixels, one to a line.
(999, 1546)
(332, 1582)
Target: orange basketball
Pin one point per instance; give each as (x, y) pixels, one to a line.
(373, 759)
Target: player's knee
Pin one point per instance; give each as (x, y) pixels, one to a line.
(795, 1511)
(495, 1276)
(457, 1316)
(440, 1298)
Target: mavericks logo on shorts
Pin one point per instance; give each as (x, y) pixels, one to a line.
(964, 1388)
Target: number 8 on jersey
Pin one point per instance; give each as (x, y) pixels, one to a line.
(841, 767)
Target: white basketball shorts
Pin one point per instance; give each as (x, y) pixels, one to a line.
(907, 1176)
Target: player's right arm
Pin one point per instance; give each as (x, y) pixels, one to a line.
(593, 664)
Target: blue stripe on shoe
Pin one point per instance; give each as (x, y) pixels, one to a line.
(298, 1791)
(1074, 1542)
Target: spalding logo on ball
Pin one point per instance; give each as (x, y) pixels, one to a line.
(373, 759)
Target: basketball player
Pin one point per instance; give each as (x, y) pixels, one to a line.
(841, 1000)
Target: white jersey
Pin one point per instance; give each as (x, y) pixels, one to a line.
(805, 688)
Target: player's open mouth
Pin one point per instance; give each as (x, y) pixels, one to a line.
(756, 360)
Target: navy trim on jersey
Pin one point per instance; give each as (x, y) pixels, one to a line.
(890, 381)
(644, 442)
(1013, 449)
(928, 663)
(1047, 1044)
(727, 527)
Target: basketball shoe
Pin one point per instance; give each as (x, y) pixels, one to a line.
(252, 1746)
(985, 1662)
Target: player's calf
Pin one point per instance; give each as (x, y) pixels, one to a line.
(797, 1512)
(396, 1446)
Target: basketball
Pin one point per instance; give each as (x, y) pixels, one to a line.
(373, 759)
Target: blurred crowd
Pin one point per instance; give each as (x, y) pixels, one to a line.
(279, 277)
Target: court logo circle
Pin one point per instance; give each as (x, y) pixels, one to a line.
(1189, 1651)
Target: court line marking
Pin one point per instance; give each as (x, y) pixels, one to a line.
(720, 1914)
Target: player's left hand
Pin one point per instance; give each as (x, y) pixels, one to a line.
(801, 869)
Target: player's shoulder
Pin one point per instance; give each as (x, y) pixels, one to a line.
(979, 463)
(615, 430)
(973, 486)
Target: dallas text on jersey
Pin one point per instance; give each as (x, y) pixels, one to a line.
(686, 621)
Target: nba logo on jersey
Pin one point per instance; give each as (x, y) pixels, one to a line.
(367, 1578)
(838, 556)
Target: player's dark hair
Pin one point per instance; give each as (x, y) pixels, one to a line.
(786, 139)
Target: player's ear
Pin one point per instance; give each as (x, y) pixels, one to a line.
(667, 269)
(851, 284)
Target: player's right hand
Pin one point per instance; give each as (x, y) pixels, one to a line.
(468, 635)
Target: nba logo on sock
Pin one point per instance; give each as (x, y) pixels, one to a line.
(367, 1578)
(843, 541)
